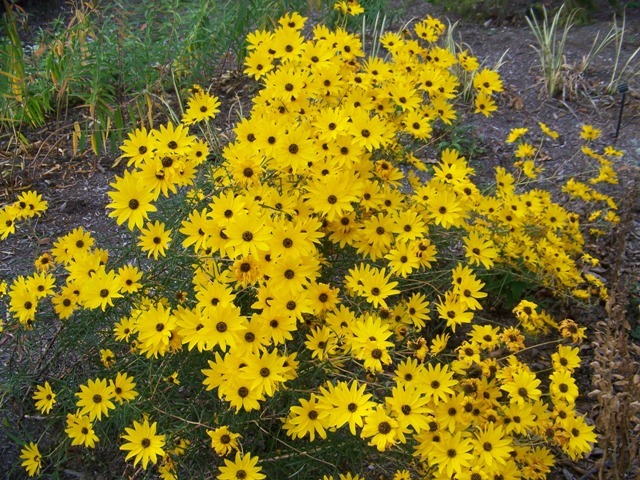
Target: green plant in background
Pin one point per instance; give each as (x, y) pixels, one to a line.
(630, 69)
(21, 101)
(559, 76)
(550, 46)
(99, 68)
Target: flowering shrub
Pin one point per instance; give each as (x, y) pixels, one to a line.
(310, 299)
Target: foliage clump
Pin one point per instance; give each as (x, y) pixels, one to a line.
(311, 297)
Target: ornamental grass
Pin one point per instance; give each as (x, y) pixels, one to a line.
(309, 299)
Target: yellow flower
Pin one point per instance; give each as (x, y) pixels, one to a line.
(107, 357)
(154, 239)
(80, 431)
(143, 444)
(131, 200)
(45, 398)
(515, 134)
(381, 428)
(589, 132)
(31, 459)
(551, 133)
(94, 399)
(244, 466)
(223, 440)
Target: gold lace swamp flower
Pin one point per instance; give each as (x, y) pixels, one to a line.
(304, 419)
(129, 276)
(581, 436)
(417, 310)
(415, 123)
(295, 151)
(523, 387)
(238, 393)
(402, 475)
(409, 371)
(342, 404)
(291, 275)
(44, 397)
(376, 287)
(445, 208)
(101, 289)
(107, 357)
(223, 440)
(468, 62)
(243, 467)
(75, 243)
(438, 344)
(94, 399)
(486, 336)
(376, 236)
(80, 431)
(487, 81)
(23, 302)
(131, 200)
(221, 326)
(201, 106)
(333, 196)
(525, 150)
(381, 428)
(137, 147)
(264, 372)
(123, 329)
(247, 234)
(403, 259)
(198, 229)
(370, 132)
(171, 140)
(65, 302)
(155, 326)
(42, 284)
(566, 358)
(480, 249)
(513, 339)
(31, 459)
(143, 444)
(172, 379)
(322, 342)
(123, 388)
(409, 406)
(529, 168)
(547, 131)
(430, 29)
(258, 63)
(562, 387)
(468, 287)
(492, 447)
(30, 204)
(7, 222)
(485, 104)
(589, 132)
(438, 382)
(515, 134)
(324, 298)
(452, 454)
(348, 7)
(154, 239)
(606, 173)
(44, 263)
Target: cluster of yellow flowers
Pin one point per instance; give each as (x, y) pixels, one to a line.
(28, 205)
(313, 246)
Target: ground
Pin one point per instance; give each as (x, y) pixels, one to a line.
(76, 187)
